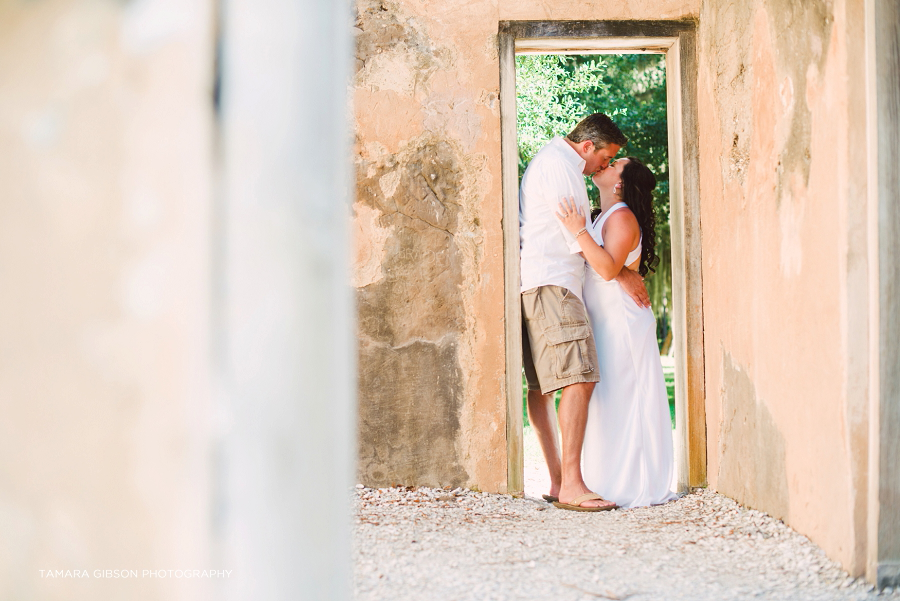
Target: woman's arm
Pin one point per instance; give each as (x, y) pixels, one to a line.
(620, 238)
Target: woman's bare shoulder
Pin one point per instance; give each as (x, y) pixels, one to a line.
(622, 219)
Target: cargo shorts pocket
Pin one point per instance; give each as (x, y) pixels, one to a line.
(532, 309)
(569, 344)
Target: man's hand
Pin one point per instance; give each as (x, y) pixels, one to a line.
(633, 285)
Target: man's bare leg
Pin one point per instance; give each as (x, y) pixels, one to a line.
(573, 411)
(542, 415)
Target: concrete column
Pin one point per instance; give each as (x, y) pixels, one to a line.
(285, 330)
(105, 171)
(883, 59)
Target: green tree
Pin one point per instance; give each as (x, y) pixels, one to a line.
(554, 92)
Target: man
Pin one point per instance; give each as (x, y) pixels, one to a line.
(557, 342)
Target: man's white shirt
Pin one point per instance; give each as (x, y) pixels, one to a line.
(548, 251)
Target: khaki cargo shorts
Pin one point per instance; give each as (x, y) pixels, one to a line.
(557, 342)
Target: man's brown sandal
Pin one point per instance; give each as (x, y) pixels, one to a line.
(550, 498)
(575, 505)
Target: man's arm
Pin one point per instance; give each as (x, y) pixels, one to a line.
(558, 184)
(633, 285)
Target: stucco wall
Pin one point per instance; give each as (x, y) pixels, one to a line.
(782, 150)
(428, 257)
(427, 224)
(782, 147)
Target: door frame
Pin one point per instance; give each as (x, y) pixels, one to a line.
(678, 41)
(883, 223)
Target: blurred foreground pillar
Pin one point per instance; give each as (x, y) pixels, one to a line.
(286, 365)
(176, 373)
(106, 135)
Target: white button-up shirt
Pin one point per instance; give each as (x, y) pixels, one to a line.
(548, 251)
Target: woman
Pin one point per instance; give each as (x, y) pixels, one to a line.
(628, 456)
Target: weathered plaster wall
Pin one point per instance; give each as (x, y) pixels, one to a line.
(105, 138)
(782, 136)
(428, 257)
(427, 223)
(638, 10)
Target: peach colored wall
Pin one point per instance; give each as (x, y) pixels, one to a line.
(782, 151)
(782, 179)
(560, 10)
(427, 221)
(429, 254)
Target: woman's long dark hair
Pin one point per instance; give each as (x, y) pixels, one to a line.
(638, 183)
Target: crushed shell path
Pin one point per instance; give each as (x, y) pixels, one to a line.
(461, 545)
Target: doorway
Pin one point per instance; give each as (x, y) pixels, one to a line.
(676, 41)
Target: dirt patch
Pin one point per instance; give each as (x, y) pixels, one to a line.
(727, 40)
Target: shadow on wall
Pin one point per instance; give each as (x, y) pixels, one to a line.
(751, 468)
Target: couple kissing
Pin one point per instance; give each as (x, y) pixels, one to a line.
(587, 326)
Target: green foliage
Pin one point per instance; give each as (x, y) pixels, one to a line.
(551, 92)
(669, 375)
(554, 92)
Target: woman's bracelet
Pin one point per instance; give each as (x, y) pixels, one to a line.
(581, 231)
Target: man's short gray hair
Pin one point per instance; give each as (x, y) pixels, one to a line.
(599, 129)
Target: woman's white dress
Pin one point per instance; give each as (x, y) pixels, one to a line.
(628, 456)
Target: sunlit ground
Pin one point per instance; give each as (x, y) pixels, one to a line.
(537, 479)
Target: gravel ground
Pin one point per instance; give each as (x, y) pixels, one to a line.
(462, 545)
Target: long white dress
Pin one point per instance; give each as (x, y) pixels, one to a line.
(628, 456)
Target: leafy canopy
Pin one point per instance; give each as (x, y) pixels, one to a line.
(552, 96)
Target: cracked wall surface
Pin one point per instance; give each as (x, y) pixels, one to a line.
(782, 162)
(428, 273)
(411, 318)
(428, 257)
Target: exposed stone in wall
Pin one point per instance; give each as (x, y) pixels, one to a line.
(392, 51)
(411, 315)
(411, 318)
(418, 252)
(799, 64)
